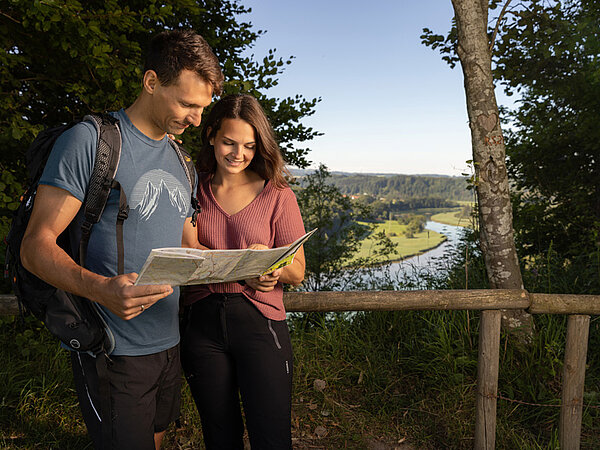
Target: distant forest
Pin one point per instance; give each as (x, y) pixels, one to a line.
(403, 187)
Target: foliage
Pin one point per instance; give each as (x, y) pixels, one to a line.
(369, 379)
(446, 45)
(10, 190)
(554, 141)
(329, 250)
(403, 187)
(547, 53)
(389, 209)
(415, 223)
(65, 58)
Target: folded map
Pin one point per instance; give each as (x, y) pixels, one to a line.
(185, 266)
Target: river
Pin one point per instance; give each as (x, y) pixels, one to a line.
(452, 234)
(409, 268)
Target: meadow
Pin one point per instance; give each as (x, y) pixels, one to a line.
(407, 246)
(456, 217)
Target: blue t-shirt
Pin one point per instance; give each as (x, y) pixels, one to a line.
(158, 193)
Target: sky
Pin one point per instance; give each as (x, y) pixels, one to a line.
(389, 103)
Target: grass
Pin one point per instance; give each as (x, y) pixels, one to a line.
(367, 380)
(418, 244)
(455, 217)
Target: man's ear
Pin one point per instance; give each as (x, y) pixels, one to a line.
(150, 81)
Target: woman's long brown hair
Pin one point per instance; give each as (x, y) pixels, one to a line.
(267, 161)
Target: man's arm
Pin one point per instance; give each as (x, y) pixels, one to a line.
(190, 236)
(53, 211)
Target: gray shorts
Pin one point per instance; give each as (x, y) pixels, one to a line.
(145, 394)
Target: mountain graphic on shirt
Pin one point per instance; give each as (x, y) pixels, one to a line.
(149, 189)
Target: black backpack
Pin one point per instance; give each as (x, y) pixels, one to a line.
(75, 321)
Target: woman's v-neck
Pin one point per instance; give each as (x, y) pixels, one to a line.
(220, 208)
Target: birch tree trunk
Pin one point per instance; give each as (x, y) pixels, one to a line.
(495, 212)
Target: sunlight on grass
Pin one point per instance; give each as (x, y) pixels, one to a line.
(456, 217)
(418, 244)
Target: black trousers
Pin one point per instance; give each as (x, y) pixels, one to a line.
(230, 349)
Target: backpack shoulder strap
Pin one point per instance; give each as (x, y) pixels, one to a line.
(186, 162)
(190, 172)
(108, 153)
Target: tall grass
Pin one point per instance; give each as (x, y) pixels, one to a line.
(413, 374)
(360, 379)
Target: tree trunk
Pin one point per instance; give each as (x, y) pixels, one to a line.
(495, 213)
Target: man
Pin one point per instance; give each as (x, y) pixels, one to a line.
(180, 76)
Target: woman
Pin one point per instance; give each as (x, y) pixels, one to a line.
(236, 340)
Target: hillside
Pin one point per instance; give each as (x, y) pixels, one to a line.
(403, 186)
(399, 187)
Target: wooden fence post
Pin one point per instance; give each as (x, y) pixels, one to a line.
(488, 362)
(578, 329)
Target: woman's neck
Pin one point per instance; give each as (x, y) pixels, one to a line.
(232, 180)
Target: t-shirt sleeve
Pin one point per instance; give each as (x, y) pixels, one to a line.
(71, 160)
(288, 224)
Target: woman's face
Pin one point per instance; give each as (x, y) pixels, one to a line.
(234, 146)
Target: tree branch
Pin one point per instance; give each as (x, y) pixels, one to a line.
(9, 17)
(498, 24)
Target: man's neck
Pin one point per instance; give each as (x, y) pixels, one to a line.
(138, 114)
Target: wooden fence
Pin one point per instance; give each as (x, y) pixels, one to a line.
(490, 302)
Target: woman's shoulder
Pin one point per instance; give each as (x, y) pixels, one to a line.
(283, 196)
(284, 191)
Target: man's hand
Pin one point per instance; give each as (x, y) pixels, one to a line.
(127, 301)
(53, 211)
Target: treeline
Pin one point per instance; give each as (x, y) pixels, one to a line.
(403, 187)
(389, 209)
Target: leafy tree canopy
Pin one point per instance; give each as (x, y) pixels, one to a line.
(403, 186)
(330, 249)
(547, 52)
(63, 58)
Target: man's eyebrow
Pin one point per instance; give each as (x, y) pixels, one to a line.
(190, 103)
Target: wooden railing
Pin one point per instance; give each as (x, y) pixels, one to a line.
(490, 302)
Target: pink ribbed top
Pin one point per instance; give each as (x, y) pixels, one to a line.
(272, 219)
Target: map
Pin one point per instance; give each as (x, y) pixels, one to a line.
(186, 266)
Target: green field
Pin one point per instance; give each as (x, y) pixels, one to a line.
(406, 246)
(454, 217)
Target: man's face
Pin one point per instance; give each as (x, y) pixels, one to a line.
(180, 104)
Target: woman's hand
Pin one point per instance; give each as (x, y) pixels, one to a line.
(173, 138)
(264, 283)
(267, 282)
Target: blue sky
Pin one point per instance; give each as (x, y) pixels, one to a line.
(389, 104)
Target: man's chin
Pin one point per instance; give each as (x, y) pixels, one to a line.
(176, 130)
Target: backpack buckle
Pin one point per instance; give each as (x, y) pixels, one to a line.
(123, 213)
(86, 228)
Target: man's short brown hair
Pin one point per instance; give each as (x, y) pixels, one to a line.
(170, 52)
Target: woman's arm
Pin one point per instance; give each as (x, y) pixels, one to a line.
(294, 273)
